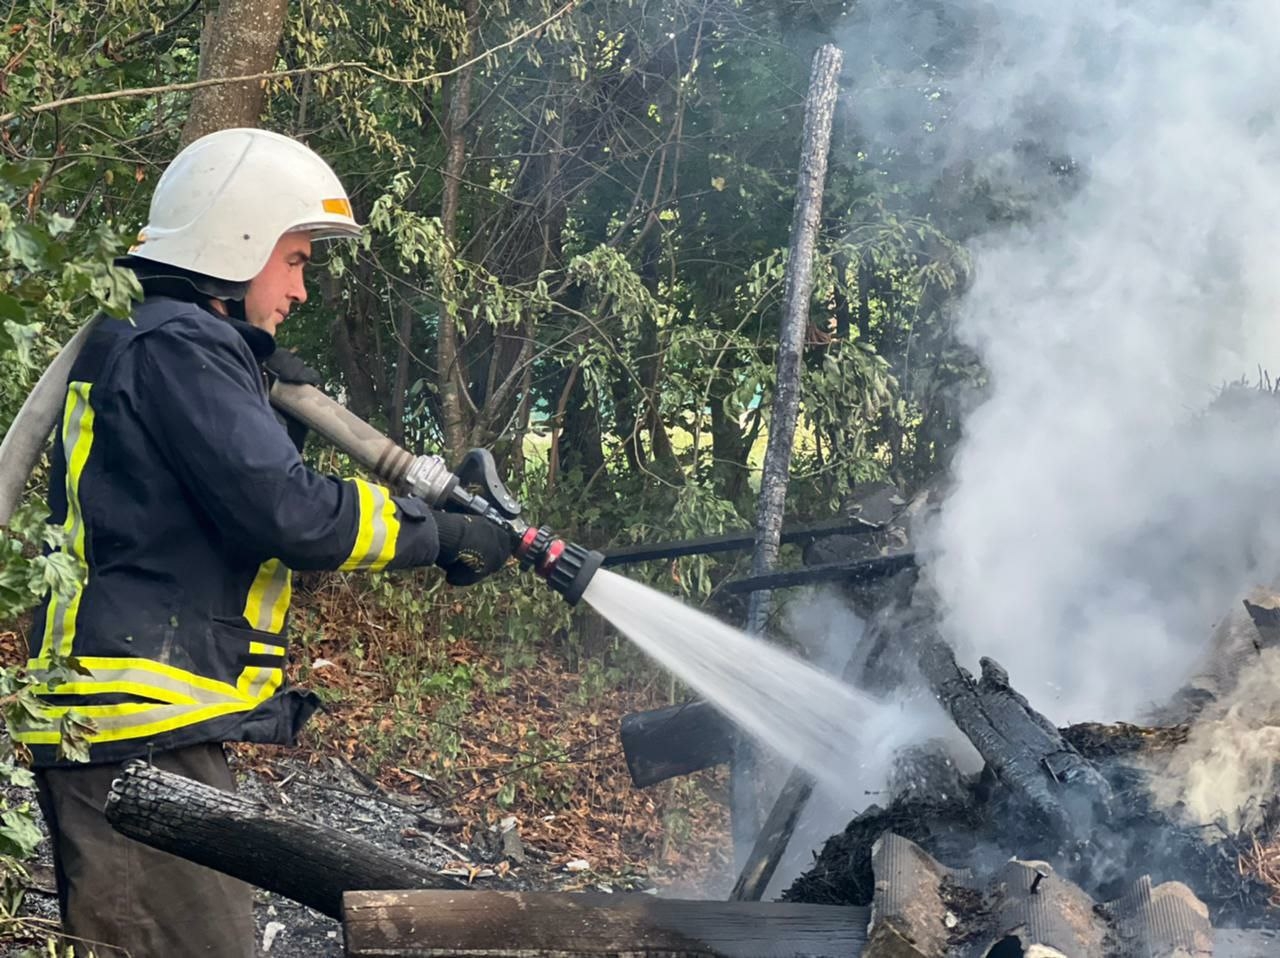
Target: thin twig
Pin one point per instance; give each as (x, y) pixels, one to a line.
(275, 75)
(177, 88)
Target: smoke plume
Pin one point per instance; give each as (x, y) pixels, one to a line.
(1101, 520)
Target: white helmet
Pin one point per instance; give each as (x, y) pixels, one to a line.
(226, 199)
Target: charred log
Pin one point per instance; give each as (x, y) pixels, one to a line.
(1023, 908)
(301, 860)
(1021, 747)
(662, 743)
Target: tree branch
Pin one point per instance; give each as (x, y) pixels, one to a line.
(274, 75)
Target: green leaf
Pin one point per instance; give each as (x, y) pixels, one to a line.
(19, 834)
(24, 339)
(24, 246)
(17, 775)
(21, 176)
(11, 309)
(507, 794)
(59, 224)
(73, 745)
(60, 572)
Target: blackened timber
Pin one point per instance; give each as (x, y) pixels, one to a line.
(677, 740)
(862, 570)
(732, 541)
(775, 835)
(246, 839)
(492, 924)
(1021, 747)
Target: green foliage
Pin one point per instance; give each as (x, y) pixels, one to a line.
(599, 201)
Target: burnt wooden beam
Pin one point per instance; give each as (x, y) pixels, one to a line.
(775, 834)
(677, 740)
(733, 541)
(861, 570)
(304, 861)
(1024, 750)
(492, 924)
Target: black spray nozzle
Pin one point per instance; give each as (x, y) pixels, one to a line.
(567, 566)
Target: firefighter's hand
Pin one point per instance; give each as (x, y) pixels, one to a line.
(285, 366)
(470, 548)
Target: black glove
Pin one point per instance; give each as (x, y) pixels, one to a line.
(470, 548)
(287, 367)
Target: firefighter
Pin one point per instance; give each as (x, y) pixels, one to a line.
(189, 506)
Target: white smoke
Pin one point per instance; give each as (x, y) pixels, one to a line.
(1228, 768)
(1099, 523)
(826, 626)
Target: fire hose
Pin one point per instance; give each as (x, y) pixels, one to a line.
(566, 566)
(474, 488)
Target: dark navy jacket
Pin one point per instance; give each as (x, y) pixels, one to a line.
(188, 503)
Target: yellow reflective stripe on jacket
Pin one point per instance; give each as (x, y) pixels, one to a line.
(133, 720)
(182, 697)
(269, 597)
(77, 440)
(259, 683)
(103, 686)
(379, 528)
(159, 678)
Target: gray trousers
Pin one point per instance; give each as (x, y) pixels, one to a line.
(142, 903)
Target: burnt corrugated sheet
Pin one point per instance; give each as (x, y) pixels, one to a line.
(1167, 921)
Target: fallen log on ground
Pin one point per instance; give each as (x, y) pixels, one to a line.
(246, 839)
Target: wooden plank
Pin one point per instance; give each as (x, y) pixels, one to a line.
(494, 924)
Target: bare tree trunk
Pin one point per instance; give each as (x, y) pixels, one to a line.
(353, 350)
(745, 784)
(240, 39)
(451, 378)
(581, 443)
(819, 109)
(651, 358)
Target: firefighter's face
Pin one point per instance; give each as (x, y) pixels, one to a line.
(275, 290)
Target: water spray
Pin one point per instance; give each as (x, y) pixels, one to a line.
(473, 487)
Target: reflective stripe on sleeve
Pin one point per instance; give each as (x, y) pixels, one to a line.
(77, 441)
(378, 530)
